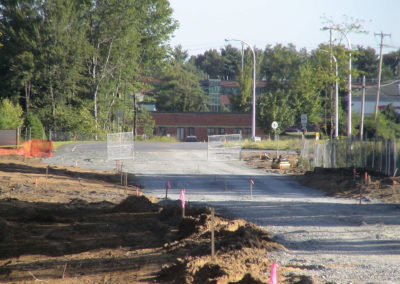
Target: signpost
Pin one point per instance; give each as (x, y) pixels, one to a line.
(274, 126)
(304, 121)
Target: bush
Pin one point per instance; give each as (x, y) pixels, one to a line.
(10, 115)
(35, 125)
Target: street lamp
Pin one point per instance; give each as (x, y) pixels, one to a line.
(253, 114)
(349, 80)
(336, 95)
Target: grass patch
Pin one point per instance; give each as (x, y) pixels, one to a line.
(164, 139)
(284, 144)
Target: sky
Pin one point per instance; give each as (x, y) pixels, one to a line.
(205, 24)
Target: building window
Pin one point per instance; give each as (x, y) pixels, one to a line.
(211, 131)
(221, 131)
(237, 131)
(162, 131)
(191, 131)
(247, 131)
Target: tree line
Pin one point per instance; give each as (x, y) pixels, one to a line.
(82, 66)
(297, 81)
(75, 64)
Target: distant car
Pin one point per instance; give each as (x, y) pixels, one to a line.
(191, 139)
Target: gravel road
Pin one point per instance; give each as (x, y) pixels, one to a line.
(335, 240)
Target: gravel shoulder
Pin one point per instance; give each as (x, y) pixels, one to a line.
(335, 240)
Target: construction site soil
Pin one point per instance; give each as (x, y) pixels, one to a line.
(361, 183)
(70, 225)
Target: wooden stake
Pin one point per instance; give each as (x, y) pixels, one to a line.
(65, 268)
(126, 181)
(212, 235)
(47, 173)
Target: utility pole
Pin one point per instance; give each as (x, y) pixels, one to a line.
(331, 90)
(362, 109)
(379, 73)
(134, 115)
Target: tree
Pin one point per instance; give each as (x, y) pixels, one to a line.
(242, 102)
(231, 61)
(127, 39)
(179, 90)
(391, 64)
(275, 106)
(146, 122)
(11, 115)
(280, 65)
(211, 63)
(382, 127)
(35, 125)
(366, 60)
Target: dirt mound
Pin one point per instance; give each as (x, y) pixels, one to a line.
(240, 247)
(136, 204)
(354, 183)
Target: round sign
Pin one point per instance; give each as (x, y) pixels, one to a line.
(274, 125)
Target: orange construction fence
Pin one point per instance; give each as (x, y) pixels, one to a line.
(31, 148)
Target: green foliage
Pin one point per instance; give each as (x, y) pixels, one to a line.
(382, 127)
(35, 125)
(391, 65)
(11, 116)
(76, 119)
(179, 90)
(366, 60)
(283, 144)
(280, 65)
(164, 139)
(211, 63)
(275, 106)
(242, 102)
(146, 122)
(231, 58)
(385, 126)
(57, 53)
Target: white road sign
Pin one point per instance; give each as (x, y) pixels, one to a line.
(274, 125)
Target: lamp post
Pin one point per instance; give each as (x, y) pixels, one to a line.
(336, 95)
(253, 113)
(349, 80)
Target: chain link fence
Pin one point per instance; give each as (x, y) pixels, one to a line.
(380, 155)
(120, 146)
(224, 147)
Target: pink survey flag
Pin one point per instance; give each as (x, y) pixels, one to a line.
(168, 184)
(182, 198)
(273, 279)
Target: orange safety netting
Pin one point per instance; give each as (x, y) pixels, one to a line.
(31, 148)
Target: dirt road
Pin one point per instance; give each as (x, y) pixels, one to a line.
(336, 240)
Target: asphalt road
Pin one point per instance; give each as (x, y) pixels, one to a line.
(334, 239)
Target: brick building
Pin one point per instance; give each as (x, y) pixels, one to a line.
(202, 124)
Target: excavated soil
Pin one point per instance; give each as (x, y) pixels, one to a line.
(361, 183)
(70, 225)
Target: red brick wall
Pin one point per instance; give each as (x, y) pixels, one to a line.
(202, 121)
